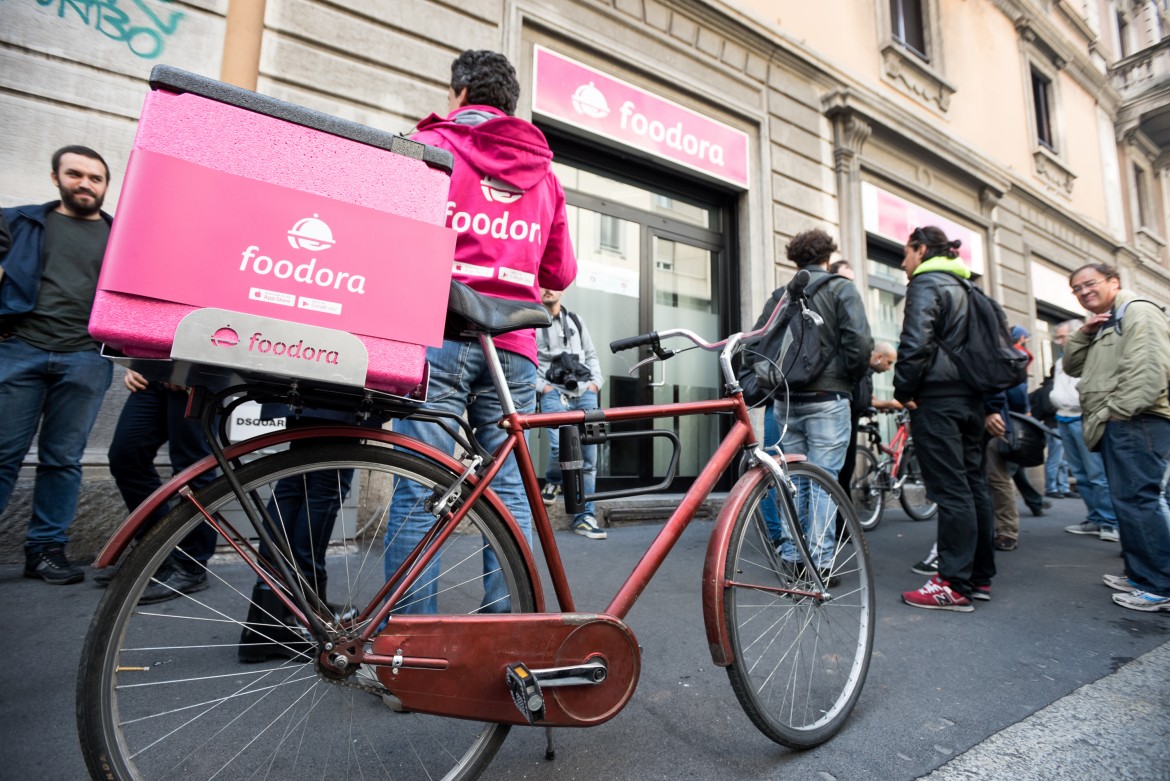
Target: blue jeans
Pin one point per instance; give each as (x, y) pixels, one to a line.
(63, 392)
(151, 418)
(1136, 453)
(1089, 471)
(1055, 468)
(820, 431)
(461, 383)
(555, 401)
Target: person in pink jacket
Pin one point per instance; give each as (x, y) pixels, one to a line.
(509, 212)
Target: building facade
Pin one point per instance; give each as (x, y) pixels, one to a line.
(694, 137)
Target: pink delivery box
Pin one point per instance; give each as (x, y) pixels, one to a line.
(235, 202)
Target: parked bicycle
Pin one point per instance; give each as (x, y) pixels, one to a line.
(161, 694)
(888, 469)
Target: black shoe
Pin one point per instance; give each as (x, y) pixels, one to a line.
(1057, 495)
(50, 565)
(1037, 511)
(269, 631)
(102, 577)
(173, 581)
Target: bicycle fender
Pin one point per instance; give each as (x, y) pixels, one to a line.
(130, 528)
(714, 616)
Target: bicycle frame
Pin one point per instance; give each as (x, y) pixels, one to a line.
(395, 642)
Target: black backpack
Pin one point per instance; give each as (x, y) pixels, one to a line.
(791, 353)
(987, 360)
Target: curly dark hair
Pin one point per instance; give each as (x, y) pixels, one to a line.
(810, 248)
(936, 242)
(489, 78)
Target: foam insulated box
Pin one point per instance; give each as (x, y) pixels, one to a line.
(236, 202)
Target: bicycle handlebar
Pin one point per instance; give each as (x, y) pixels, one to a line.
(630, 342)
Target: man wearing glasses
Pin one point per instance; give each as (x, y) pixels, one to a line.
(1122, 355)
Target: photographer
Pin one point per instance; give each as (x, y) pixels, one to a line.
(568, 378)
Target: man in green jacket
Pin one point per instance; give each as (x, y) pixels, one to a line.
(1122, 355)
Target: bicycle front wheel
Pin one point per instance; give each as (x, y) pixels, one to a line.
(913, 496)
(218, 682)
(869, 500)
(800, 658)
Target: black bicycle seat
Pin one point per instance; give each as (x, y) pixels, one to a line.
(469, 311)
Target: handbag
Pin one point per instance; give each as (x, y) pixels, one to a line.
(1024, 441)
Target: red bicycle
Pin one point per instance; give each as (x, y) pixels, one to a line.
(894, 470)
(161, 694)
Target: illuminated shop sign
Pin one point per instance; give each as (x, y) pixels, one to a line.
(566, 91)
(893, 218)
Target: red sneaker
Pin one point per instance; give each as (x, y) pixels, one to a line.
(937, 595)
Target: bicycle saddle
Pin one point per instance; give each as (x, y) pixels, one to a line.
(469, 311)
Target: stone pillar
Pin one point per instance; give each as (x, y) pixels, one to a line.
(850, 132)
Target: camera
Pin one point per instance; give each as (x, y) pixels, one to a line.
(567, 371)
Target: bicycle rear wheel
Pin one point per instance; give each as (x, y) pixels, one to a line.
(869, 500)
(162, 692)
(913, 496)
(800, 660)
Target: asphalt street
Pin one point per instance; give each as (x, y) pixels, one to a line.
(1049, 680)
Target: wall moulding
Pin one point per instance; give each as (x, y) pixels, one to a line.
(1052, 172)
(915, 78)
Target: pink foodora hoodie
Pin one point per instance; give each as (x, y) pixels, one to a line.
(507, 207)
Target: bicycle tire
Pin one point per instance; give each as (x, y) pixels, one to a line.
(799, 663)
(913, 494)
(869, 500)
(161, 693)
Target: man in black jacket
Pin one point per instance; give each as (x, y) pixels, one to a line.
(948, 422)
(817, 415)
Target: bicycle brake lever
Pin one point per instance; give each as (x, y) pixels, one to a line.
(642, 363)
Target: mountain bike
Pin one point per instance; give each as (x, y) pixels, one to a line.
(373, 688)
(894, 470)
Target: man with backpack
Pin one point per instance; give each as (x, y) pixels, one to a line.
(1122, 355)
(947, 415)
(822, 361)
(568, 377)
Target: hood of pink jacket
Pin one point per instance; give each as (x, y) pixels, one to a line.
(505, 148)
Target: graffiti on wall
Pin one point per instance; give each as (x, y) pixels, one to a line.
(143, 25)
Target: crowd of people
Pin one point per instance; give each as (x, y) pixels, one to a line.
(1105, 404)
(1105, 399)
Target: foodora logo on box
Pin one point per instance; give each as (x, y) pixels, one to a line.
(218, 337)
(314, 235)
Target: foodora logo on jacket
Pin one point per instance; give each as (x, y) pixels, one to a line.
(502, 226)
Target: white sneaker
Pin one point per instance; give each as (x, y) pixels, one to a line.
(1120, 583)
(1144, 601)
(1109, 534)
(586, 526)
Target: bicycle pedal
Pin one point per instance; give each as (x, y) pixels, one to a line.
(525, 692)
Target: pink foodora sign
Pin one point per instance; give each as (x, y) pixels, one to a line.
(213, 239)
(577, 95)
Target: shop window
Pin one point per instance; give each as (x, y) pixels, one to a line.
(1042, 106)
(907, 24)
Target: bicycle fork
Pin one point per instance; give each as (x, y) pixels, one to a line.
(786, 492)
